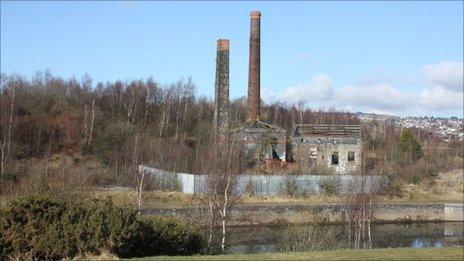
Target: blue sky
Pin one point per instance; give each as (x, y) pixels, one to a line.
(403, 58)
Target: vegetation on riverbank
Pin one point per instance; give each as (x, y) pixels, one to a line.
(48, 228)
(340, 254)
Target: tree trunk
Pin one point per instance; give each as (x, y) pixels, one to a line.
(147, 98)
(161, 127)
(92, 121)
(211, 223)
(224, 216)
(2, 158)
(39, 137)
(10, 124)
(177, 119)
(139, 176)
(85, 125)
(140, 190)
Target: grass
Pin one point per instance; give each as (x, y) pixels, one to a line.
(455, 253)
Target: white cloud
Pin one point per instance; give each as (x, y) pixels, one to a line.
(444, 90)
(267, 95)
(447, 75)
(442, 93)
(318, 89)
(382, 97)
(439, 98)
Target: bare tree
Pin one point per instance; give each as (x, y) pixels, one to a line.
(139, 176)
(2, 157)
(301, 110)
(10, 123)
(92, 121)
(221, 193)
(359, 214)
(85, 124)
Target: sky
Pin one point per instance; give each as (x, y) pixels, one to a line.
(400, 58)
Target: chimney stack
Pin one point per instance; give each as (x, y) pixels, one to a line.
(221, 97)
(254, 67)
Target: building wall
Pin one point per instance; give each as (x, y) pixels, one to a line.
(258, 142)
(311, 151)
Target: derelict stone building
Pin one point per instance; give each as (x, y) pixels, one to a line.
(337, 147)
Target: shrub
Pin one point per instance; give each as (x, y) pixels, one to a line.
(41, 227)
(168, 236)
(32, 228)
(416, 179)
(290, 187)
(106, 227)
(250, 188)
(331, 185)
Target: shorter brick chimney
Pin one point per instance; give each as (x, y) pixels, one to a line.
(221, 97)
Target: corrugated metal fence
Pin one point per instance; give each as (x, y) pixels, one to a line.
(268, 185)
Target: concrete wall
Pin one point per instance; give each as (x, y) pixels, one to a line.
(304, 213)
(268, 185)
(454, 211)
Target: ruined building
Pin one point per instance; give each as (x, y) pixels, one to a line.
(337, 147)
(333, 146)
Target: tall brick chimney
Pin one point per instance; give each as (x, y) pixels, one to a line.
(221, 97)
(254, 66)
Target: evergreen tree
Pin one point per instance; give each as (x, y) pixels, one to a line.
(408, 147)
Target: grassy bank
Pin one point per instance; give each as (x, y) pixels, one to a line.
(341, 254)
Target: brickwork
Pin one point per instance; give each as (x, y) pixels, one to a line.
(254, 67)
(221, 99)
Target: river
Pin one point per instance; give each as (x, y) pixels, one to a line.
(324, 237)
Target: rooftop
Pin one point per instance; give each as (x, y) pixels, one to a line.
(324, 130)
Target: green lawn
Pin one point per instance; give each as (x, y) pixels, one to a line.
(455, 253)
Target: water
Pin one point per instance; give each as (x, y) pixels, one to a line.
(308, 237)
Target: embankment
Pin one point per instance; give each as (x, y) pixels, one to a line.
(254, 214)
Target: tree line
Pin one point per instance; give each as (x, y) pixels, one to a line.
(47, 114)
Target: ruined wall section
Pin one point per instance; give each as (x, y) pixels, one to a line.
(311, 151)
(261, 144)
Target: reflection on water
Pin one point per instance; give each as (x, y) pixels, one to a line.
(298, 238)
